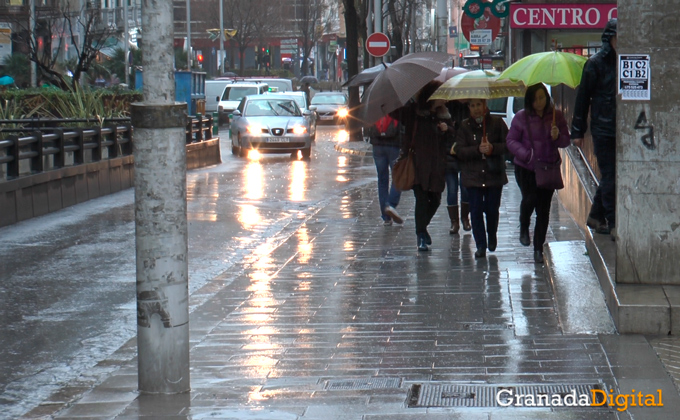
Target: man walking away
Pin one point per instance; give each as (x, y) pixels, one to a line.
(597, 92)
(386, 136)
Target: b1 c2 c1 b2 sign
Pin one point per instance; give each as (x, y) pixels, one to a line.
(634, 77)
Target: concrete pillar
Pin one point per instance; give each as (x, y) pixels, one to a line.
(648, 155)
(161, 213)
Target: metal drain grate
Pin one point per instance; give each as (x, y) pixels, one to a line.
(461, 395)
(357, 384)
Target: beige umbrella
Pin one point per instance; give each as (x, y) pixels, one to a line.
(478, 84)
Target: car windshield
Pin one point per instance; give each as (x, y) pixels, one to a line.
(272, 107)
(236, 93)
(300, 101)
(328, 100)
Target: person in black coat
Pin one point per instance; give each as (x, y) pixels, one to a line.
(427, 126)
(597, 93)
(482, 171)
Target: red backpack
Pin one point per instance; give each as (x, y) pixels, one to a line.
(387, 127)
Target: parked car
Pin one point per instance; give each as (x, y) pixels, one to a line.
(234, 93)
(270, 124)
(301, 99)
(331, 107)
(281, 85)
(213, 92)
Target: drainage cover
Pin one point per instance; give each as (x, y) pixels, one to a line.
(462, 395)
(369, 383)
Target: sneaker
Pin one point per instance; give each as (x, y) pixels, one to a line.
(387, 223)
(392, 212)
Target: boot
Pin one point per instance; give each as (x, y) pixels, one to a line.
(453, 215)
(465, 216)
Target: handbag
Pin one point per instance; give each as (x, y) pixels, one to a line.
(549, 175)
(404, 170)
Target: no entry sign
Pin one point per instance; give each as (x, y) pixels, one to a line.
(377, 44)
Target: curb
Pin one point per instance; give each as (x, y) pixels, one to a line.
(351, 151)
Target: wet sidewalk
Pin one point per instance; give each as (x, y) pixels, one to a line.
(346, 320)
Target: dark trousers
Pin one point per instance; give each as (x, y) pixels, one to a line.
(486, 200)
(604, 202)
(427, 203)
(533, 198)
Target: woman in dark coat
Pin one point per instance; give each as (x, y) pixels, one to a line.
(427, 125)
(533, 137)
(482, 171)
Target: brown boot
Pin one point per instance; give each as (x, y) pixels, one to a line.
(453, 215)
(465, 216)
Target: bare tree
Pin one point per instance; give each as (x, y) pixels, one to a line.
(307, 24)
(401, 15)
(57, 24)
(250, 19)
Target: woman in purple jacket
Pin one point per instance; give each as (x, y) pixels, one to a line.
(533, 136)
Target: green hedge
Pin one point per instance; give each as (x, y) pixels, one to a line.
(56, 103)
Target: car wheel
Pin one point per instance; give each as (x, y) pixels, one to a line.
(306, 153)
(234, 150)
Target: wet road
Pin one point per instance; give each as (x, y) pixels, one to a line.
(67, 280)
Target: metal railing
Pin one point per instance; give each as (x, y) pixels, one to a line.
(45, 144)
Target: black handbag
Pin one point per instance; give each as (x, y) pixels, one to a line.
(549, 175)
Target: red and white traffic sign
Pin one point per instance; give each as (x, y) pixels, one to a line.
(378, 44)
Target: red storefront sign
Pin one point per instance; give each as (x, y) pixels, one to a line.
(561, 16)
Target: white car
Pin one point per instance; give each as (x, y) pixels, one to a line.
(234, 93)
(270, 124)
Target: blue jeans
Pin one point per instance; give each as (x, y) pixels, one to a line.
(483, 201)
(384, 157)
(452, 183)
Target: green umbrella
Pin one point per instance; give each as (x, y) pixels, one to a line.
(552, 68)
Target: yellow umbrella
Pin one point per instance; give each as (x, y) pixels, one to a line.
(478, 84)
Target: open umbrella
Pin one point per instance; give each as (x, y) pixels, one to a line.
(395, 85)
(309, 79)
(6, 80)
(366, 77)
(449, 72)
(552, 68)
(478, 84)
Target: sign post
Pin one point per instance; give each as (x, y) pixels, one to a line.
(377, 44)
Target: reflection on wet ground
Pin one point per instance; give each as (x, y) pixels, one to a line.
(296, 282)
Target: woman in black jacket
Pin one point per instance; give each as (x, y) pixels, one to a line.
(483, 171)
(427, 125)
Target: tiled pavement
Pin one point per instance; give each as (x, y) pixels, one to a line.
(348, 299)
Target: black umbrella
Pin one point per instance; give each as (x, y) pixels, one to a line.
(366, 77)
(395, 85)
(309, 79)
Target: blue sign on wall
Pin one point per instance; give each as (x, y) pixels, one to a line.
(453, 32)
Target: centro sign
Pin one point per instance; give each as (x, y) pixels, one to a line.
(561, 16)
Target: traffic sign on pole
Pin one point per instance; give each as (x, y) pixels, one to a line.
(377, 44)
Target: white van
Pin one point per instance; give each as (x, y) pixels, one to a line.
(232, 95)
(213, 92)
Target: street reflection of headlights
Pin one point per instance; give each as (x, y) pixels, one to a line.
(299, 129)
(342, 112)
(255, 129)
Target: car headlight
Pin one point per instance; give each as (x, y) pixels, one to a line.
(342, 112)
(299, 129)
(254, 129)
